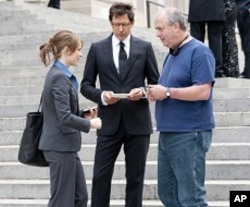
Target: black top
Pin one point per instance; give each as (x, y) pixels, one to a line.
(206, 10)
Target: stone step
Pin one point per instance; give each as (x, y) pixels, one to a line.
(75, 18)
(9, 56)
(12, 102)
(239, 88)
(39, 189)
(63, 21)
(25, 38)
(217, 151)
(228, 119)
(229, 83)
(113, 203)
(13, 11)
(21, 110)
(12, 20)
(227, 135)
(79, 22)
(215, 169)
(35, 88)
(28, 63)
(16, 80)
(31, 63)
(231, 134)
(12, 40)
(13, 136)
(27, 44)
(10, 71)
(6, 4)
(31, 77)
(24, 102)
(33, 54)
(23, 75)
(237, 92)
(25, 29)
(232, 118)
(25, 90)
(231, 104)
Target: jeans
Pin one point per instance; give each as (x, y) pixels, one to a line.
(181, 168)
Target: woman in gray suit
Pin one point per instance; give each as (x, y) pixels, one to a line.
(61, 136)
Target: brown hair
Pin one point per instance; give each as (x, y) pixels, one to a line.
(55, 45)
(119, 9)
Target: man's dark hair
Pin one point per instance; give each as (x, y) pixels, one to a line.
(119, 9)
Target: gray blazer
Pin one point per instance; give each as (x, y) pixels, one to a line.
(62, 123)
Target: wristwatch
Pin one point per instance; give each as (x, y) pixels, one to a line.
(168, 93)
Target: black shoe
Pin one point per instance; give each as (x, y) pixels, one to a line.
(242, 75)
(219, 74)
(233, 74)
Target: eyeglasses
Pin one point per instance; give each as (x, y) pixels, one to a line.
(124, 25)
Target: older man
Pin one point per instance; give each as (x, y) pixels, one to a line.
(184, 112)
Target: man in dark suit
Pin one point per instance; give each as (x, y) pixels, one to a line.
(243, 21)
(210, 13)
(123, 108)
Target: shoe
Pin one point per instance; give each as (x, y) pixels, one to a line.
(219, 74)
(233, 74)
(244, 77)
(242, 74)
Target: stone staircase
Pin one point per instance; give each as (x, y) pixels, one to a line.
(23, 28)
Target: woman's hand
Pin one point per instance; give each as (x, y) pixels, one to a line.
(90, 113)
(96, 123)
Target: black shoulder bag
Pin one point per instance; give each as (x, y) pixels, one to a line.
(29, 153)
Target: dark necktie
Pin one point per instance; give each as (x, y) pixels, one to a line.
(122, 57)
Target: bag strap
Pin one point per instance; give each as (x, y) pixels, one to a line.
(40, 104)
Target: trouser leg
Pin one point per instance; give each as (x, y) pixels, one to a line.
(66, 179)
(135, 149)
(215, 44)
(107, 150)
(197, 30)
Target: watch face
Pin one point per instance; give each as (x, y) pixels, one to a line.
(168, 94)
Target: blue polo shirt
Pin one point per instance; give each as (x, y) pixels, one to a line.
(194, 65)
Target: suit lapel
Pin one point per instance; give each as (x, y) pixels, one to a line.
(108, 55)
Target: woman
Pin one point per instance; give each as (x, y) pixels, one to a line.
(229, 45)
(63, 122)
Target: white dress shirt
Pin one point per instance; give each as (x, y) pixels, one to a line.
(116, 48)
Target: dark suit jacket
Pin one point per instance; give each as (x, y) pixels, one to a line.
(61, 125)
(141, 65)
(243, 8)
(206, 10)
